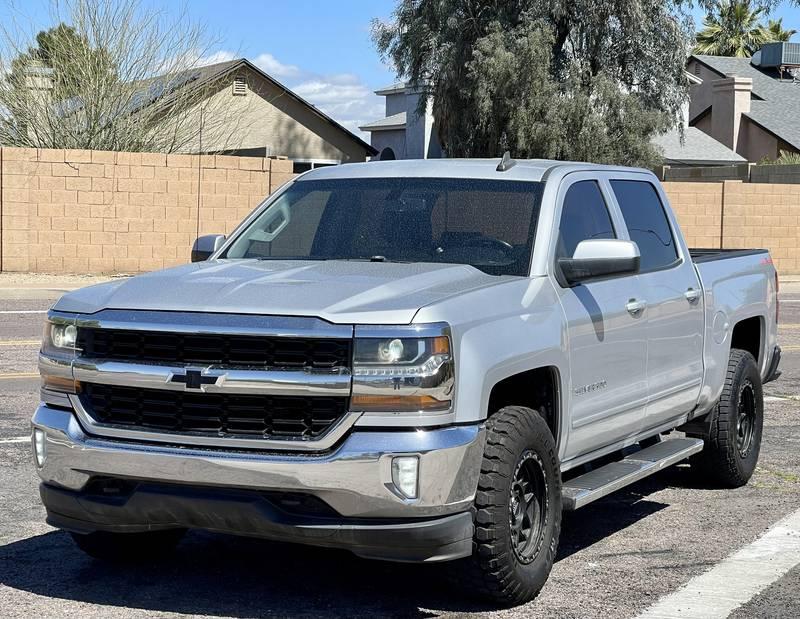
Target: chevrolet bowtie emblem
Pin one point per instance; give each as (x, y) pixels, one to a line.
(194, 379)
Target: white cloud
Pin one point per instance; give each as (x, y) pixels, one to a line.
(275, 67)
(216, 57)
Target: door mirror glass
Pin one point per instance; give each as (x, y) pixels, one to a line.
(205, 246)
(596, 258)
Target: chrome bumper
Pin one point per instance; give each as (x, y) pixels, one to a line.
(354, 479)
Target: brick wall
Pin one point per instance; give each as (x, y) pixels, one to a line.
(79, 211)
(106, 212)
(741, 215)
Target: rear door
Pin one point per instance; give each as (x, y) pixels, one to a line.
(607, 339)
(672, 291)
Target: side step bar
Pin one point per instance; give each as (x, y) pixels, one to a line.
(596, 484)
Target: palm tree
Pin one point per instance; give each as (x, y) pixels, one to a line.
(732, 28)
(777, 33)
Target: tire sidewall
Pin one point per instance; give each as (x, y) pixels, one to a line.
(746, 371)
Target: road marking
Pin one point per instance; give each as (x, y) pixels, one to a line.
(23, 311)
(12, 376)
(19, 342)
(737, 579)
(774, 398)
(16, 439)
(789, 348)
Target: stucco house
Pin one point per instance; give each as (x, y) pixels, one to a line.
(264, 118)
(404, 133)
(751, 105)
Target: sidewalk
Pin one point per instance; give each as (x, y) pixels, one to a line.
(40, 286)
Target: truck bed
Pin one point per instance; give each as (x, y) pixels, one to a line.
(700, 255)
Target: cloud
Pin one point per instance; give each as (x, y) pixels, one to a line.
(275, 67)
(216, 57)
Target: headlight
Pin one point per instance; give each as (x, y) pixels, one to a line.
(394, 371)
(59, 348)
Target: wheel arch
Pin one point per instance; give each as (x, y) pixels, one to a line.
(538, 388)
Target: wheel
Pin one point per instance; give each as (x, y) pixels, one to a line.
(733, 440)
(124, 547)
(517, 510)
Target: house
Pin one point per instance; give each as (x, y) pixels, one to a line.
(404, 133)
(262, 118)
(751, 105)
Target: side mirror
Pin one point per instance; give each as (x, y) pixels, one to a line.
(600, 258)
(206, 245)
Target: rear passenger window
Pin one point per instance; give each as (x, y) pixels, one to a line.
(583, 216)
(647, 223)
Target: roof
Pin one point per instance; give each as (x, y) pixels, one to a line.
(698, 148)
(776, 106)
(395, 121)
(157, 86)
(392, 89)
(524, 170)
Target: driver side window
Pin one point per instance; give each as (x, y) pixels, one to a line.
(584, 216)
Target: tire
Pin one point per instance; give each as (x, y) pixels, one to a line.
(128, 547)
(519, 446)
(735, 425)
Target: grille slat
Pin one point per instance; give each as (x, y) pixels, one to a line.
(216, 414)
(229, 350)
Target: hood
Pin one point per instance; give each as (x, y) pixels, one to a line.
(337, 291)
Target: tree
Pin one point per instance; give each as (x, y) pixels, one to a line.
(109, 76)
(567, 79)
(733, 28)
(777, 33)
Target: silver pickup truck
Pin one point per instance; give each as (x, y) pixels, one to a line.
(413, 360)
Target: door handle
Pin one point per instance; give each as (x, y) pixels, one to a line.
(692, 295)
(635, 307)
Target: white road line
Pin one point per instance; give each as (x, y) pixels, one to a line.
(737, 579)
(774, 398)
(16, 439)
(23, 311)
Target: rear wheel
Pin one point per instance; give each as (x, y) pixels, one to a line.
(517, 509)
(128, 547)
(733, 440)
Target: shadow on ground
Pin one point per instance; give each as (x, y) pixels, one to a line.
(220, 575)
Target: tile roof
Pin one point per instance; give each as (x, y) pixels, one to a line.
(777, 104)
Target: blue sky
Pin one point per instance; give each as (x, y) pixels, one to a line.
(319, 48)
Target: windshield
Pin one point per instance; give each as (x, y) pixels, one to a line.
(485, 223)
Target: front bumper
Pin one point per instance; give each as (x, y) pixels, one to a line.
(219, 490)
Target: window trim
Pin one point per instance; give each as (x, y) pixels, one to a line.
(679, 260)
(617, 222)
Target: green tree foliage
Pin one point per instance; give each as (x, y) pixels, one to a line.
(733, 28)
(777, 32)
(61, 54)
(567, 79)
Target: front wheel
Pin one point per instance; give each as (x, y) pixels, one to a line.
(733, 439)
(517, 509)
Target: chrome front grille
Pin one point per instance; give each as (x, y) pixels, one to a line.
(217, 380)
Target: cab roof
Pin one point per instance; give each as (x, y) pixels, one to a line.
(522, 170)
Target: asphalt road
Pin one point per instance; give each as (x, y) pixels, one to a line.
(617, 556)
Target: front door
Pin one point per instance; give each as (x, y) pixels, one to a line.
(607, 330)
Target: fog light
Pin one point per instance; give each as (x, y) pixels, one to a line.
(39, 447)
(405, 475)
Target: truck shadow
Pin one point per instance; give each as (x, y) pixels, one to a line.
(219, 575)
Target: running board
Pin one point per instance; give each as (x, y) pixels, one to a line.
(596, 484)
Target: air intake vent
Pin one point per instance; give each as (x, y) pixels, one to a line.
(239, 85)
